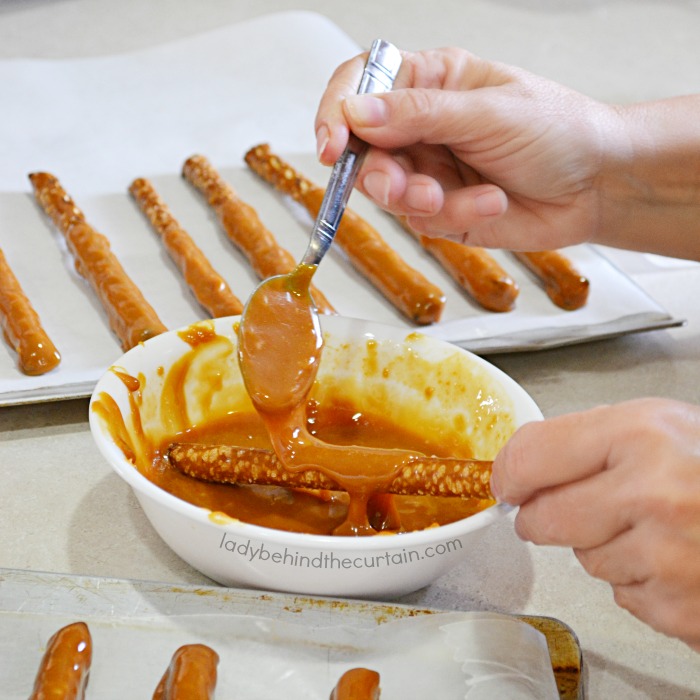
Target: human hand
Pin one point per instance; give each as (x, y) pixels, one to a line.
(621, 485)
(473, 150)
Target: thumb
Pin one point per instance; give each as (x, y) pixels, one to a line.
(418, 115)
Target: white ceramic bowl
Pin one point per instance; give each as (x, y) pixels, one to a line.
(434, 381)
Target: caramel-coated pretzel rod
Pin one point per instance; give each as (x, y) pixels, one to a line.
(207, 285)
(22, 327)
(131, 317)
(425, 476)
(243, 226)
(406, 288)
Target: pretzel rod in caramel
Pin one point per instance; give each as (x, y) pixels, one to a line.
(406, 288)
(22, 327)
(65, 667)
(191, 674)
(473, 268)
(243, 226)
(563, 283)
(425, 476)
(357, 684)
(208, 286)
(131, 317)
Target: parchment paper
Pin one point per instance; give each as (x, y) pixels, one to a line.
(283, 647)
(98, 123)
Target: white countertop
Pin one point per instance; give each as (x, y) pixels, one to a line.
(63, 509)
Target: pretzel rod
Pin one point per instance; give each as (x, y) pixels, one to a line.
(191, 674)
(131, 317)
(563, 283)
(425, 476)
(474, 269)
(22, 327)
(357, 684)
(65, 667)
(243, 226)
(406, 288)
(208, 286)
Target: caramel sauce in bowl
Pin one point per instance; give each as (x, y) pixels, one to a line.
(377, 386)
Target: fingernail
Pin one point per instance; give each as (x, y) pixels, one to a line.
(490, 203)
(365, 110)
(323, 136)
(420, 198)
(377, 186)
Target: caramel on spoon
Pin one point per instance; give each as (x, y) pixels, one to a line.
(280, 339)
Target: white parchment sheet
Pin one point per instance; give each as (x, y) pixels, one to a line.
(98, 123)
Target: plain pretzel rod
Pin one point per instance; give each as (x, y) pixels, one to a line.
(424, 476)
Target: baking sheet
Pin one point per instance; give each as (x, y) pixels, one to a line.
(270, 645)
(99, 123)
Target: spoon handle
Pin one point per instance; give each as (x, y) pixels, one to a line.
(379, 74)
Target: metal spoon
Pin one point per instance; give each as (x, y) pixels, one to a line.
(279, 335)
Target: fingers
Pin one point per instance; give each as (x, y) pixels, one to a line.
(654, 439)
(441, 69)
(418, 115)
(655, 575)
(440, 198)
(462, 210)
(330, 126)
(549, 453)
(584, 514)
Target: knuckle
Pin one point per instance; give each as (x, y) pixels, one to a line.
(415, 102)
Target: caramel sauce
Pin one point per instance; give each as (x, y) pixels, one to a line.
(406, 288)
(200, 399)
(243, 226)
(280, 344)
(313, 512)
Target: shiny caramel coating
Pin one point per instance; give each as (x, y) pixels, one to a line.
(131, 317)
(65, 667)
(357, 684)
(562, 282)
(191, 675)
(423, 476)
(474, 269)
(22, 327)
(208, 286)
